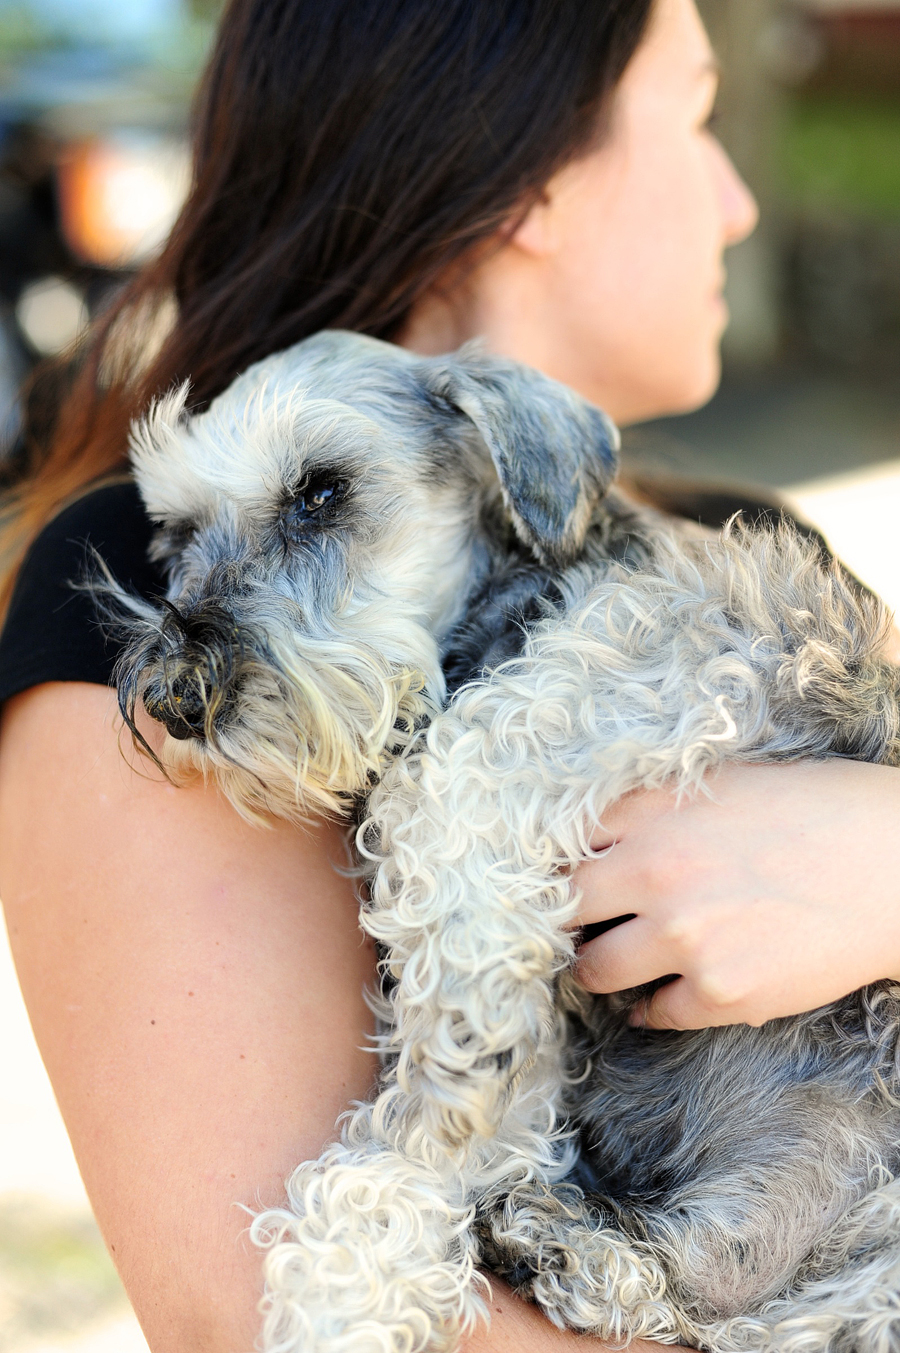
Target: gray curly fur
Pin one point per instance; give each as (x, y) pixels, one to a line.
(740, 1184)
(734, 1189)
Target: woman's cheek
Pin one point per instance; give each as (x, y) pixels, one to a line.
(640, 278)
(690, 315)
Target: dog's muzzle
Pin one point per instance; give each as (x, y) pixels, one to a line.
(193, 682)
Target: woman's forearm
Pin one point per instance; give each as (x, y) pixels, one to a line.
(517, 1327)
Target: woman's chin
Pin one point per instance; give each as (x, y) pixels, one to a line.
(704, 387)
(684, 392)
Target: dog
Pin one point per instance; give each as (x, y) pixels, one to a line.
(348, 527)
(323, 548)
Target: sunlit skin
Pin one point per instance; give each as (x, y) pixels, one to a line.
(777, 895)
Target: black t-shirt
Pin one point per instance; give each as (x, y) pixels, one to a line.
(53, 631)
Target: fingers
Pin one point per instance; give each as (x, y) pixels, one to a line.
(638, 952)
(704, 995)
(629, 956)
(630, 862)
(681, 914)
(628, 814)
(610, 884)
(681, 1005)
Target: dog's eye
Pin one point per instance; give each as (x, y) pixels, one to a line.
(316, 501)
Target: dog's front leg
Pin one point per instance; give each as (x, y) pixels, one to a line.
(582, 1271)
(471, 897)
(374, 1251)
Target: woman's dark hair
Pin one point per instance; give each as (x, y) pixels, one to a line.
(347, 154)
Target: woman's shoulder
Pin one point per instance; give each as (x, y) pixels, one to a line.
(52, 630)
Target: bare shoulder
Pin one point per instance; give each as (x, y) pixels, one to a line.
(195, 984)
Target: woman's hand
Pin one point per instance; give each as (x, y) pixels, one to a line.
(776, 895)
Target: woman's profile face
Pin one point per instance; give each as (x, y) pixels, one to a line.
(613, 282)
(641, 227)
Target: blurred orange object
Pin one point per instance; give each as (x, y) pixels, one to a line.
(119, 195)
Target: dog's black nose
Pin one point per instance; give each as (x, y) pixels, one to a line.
(181, 708)
(194, 676)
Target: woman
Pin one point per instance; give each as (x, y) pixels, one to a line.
(539, 172)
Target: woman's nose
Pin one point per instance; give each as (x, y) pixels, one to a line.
(739, 208)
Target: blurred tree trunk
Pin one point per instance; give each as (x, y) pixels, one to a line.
(743, 32)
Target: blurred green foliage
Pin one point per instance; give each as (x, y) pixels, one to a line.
(55, 1275)
(841, 154)
(206, 9)
(180, 47)
(183, 42)
(20, 30)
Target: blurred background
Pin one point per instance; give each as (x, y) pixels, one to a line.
(810, 402)
(94, 105)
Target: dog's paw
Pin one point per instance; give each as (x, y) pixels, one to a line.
(370, 1256)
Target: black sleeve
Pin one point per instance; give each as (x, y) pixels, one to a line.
(52, 630)
(713, 505)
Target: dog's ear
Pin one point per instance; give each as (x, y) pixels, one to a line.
(555, 453)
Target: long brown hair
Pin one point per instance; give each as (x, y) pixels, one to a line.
(346, 154)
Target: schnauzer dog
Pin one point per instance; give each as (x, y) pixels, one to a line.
(348, 528)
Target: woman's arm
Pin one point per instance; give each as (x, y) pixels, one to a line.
(776, 895)
(195, 988)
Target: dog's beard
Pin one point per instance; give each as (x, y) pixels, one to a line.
(296, 727)
(309, 732)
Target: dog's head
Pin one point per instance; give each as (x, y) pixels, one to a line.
(321, 524)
